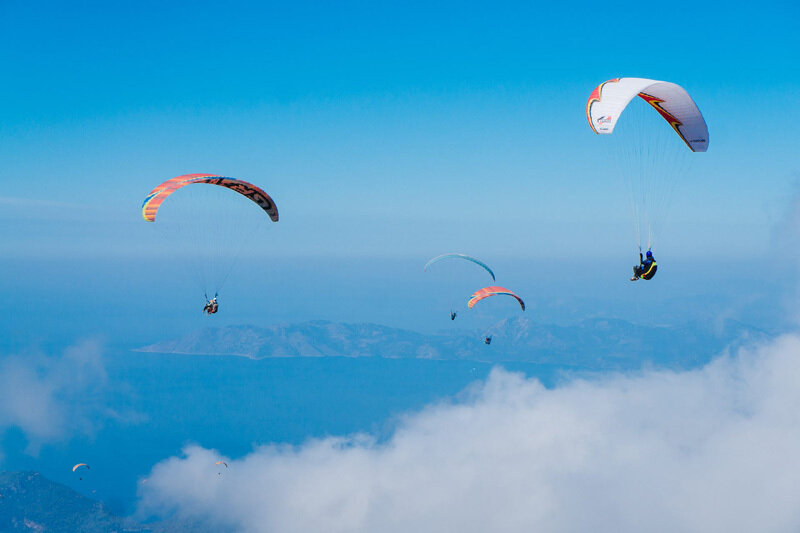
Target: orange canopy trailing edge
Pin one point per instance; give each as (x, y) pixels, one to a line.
(159, 194)
(492, 291)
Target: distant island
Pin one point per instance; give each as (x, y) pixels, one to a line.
(594, 343)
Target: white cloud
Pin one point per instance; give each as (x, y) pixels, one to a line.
(716, 449)
(53, 397)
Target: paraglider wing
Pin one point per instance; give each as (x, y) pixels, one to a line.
(492, 291)
(77, 466)
(222, 463)
(159, 194)
(671, 101)
(461, 256)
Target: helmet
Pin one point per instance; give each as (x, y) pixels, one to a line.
(649, 253)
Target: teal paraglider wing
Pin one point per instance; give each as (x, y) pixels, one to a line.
(460, 256)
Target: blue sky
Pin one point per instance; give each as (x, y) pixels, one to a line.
(399, 129)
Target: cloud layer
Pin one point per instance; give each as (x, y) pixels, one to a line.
(716, 449)
(51, 397)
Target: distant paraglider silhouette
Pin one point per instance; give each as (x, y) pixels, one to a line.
(79, 465)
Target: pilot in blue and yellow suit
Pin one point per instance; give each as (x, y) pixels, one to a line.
(646, 268)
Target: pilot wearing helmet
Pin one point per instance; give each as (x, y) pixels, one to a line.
(646, 268)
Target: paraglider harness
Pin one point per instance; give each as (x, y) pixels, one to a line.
(646, 268)
(211, 305)
(488, 340)
(453, 315)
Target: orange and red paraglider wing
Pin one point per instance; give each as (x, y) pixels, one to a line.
(492, 291)
(157, 196)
